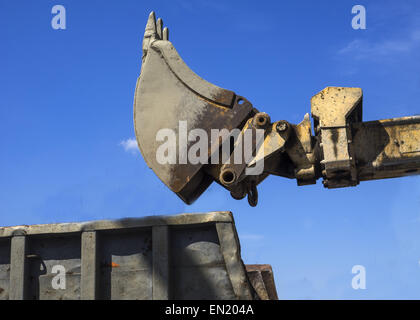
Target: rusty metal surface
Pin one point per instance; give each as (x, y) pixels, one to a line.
(4, 268)
(200, 251)
(125, 223)
(195, 252)
(387, 148)
(45, 252)
(333, 109)
(302, 153)
(262, 279)
(167, 92)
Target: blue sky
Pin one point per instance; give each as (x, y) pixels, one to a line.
(66, 101)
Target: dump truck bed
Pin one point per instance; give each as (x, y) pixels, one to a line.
(186, 256)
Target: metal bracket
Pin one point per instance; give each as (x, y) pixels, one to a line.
(333, 110)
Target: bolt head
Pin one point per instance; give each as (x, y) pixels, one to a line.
(281, 126)
(261, 120)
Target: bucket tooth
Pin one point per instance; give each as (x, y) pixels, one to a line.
(165, 34)
(159, 28)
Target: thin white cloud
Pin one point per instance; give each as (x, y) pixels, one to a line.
(363, 49)
(130, 145)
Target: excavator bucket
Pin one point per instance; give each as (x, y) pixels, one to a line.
(170, 101)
